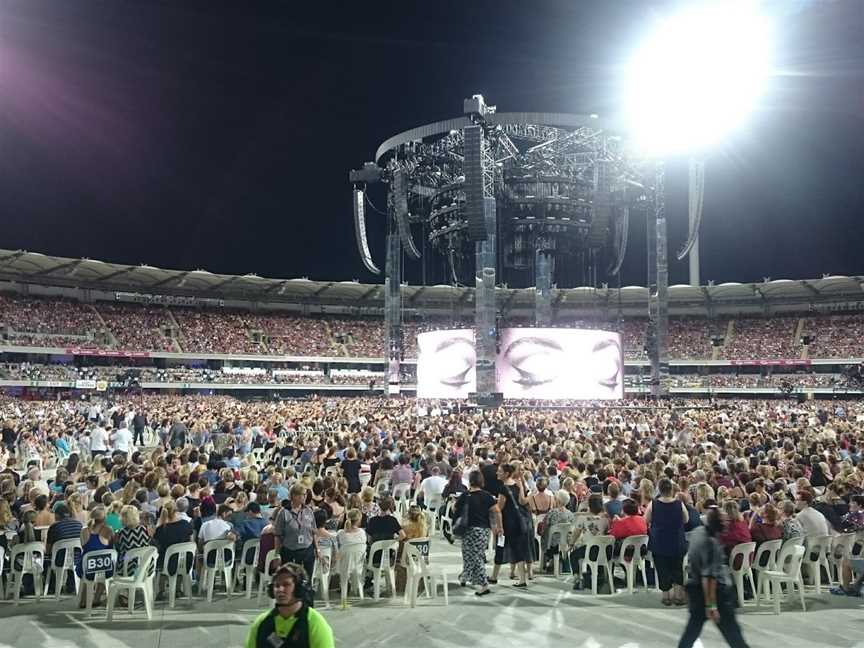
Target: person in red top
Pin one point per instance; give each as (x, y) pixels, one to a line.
(766, 525)
(737, 530)
(628, 524)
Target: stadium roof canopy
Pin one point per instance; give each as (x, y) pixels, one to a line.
(35, 268)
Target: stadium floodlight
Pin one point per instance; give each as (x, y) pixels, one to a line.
(697, 76)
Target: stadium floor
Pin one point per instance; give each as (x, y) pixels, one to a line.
(548, 614)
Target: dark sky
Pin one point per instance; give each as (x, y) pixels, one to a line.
(218, 135)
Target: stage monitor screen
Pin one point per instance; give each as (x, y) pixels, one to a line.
(534, 363)
(446, 364)
(559, 363)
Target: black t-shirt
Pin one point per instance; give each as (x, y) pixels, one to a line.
(170, 534)
(479, 503)
(9, 436)
(351, 471)
(490, 479)
(382, 527)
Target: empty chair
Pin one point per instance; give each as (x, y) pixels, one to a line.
(766, 556)
(178, 563)
(384, 553)
(741, 565)
(97, 568)
(788, 571)
(145, 558)
(446, 520)
(26, 558)
(598, 555)
(632, 558)
(352, 566)
(63, 556)
(818, 548)
(248, 565)
(321, 573)
(221, 554)
(267, 575)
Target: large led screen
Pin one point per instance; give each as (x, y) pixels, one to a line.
(549, 363)
(536, 363)
(445, 364)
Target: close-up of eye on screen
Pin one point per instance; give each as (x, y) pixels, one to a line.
(560, 363)
(446, 364)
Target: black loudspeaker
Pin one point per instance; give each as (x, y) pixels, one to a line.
(472, 167)
(487, 399)
(302, 589)
(802, 398)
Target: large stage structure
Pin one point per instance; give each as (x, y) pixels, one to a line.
(538, 199)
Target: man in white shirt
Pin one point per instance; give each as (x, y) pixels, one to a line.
(122, 439)
(811, 520)
(218, 528)
(98, 440)
(432, 488)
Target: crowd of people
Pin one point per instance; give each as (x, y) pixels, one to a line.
(139, 327)
(160, 470)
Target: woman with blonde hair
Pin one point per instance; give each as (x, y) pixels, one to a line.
(368, 506)
(132, 535)
(353, 533)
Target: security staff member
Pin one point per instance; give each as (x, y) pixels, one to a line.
(291, 623)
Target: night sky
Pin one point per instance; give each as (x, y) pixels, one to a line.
(219, 135)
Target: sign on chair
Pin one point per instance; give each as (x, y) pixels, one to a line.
(99, 564)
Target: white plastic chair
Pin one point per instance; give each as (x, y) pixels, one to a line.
(766, 556)
(382, 487)
(332, 471)
(267, 575)
(145, 557)
(184, 552)
(223, 550)
(247, 565)
(2, 576)
(365, 478)
(818, 548)
(32, 556)
(415, 559)
(386, 550)
(67, 548)
(446, 520)
(401, 495)
(321, 573)
(740, 565)
(98, 564)
(841, 549)
(559, 534)
(352, 567)
(771, 581)
(598, 555)
(632, 558)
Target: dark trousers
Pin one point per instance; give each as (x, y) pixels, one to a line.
(138, 437)
(304, 557)
(728, 624)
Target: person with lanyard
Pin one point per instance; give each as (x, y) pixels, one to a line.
(292, 623)
(709, 588)
(294, 531)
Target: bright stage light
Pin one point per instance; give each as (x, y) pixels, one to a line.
(697, 76)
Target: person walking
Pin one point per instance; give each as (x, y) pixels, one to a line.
(709, 586)
(482, 509)
(667, 517)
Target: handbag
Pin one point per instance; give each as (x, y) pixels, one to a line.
(526, 522)
(460, 524)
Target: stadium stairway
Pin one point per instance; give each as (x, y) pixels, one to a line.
(111, 339)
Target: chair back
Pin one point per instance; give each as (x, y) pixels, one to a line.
(818, 547)
(145, 559)
(332, 471)
(286, 462)
(352, 559)
(99, 565)
(415, 552)
(841, 546)
(184, 555)
(792, 567)
(66, 548)
(401, 490)
(787, 551)
(741, 557)
(382, 487)
(598, 549)
(386, 549)
(41, 533)
(559, 536)
(323, 563)
(224, 551)
(32, 556)
(250, 551)
(766, 555)
(634, 548)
